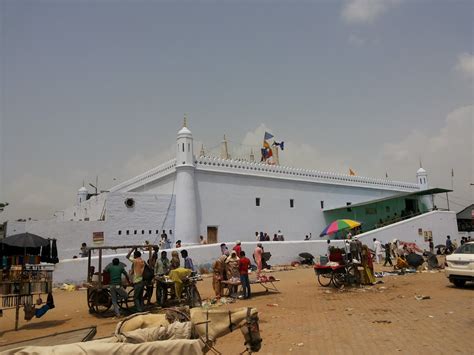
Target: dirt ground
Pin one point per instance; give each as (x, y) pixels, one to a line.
(305, 318)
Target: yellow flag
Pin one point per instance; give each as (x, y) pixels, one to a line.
(351, 172)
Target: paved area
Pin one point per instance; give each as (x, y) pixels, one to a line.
(306, 318)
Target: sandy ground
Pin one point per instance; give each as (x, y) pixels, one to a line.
(305, 318)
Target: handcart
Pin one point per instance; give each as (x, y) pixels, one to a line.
(99, 298)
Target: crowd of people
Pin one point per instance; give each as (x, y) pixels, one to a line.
(144, 275)
(233, 265)
(265, 237)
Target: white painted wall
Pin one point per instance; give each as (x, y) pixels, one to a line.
(228, 201)
(441, 223)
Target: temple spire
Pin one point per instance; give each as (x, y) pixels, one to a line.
(185, 121)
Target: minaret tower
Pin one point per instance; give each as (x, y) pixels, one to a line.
(422, 180)
(186, 215)
(81, 195)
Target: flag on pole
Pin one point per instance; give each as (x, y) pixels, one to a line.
(281, 145)
(268, 136)
(452, 172)
(351, 172)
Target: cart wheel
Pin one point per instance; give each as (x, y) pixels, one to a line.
(90, 300)
(338, 279)
(194, 298)
(325, 279)
(126, 304)
(99, 301)
(163, 296)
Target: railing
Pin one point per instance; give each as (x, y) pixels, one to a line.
(257, 168)
(152, 174)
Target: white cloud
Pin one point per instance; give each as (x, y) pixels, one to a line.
(366, 11)
(450, 148)
(465, 64)
(356, 40)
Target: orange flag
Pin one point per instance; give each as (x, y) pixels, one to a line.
(351, 172)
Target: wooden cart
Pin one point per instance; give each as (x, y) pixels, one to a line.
(99, 298)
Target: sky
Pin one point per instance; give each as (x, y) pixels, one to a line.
(99, 88)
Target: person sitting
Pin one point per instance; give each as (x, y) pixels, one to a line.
(31, 310)
(401, 263)
(84, 250)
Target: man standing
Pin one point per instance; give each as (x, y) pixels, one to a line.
(116, 269)
(431, 245)
(188, 262)
(138, 265)
(378, 250)
(449, 245)
(387, 255)
(244, 264)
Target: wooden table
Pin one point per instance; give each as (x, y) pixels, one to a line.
(268, 285)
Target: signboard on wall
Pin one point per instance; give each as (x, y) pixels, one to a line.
(98, 237)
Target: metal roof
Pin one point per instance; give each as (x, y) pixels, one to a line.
(432, 191)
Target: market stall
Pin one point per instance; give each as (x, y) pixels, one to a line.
(26, 271)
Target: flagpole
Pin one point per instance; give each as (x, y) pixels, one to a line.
(452, 179)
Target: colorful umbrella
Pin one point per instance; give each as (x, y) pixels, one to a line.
(338, 225)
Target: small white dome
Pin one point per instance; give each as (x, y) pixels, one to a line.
(421, 171)
(185, 132)
(82, 189)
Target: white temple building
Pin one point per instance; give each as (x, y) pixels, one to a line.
(224, 200)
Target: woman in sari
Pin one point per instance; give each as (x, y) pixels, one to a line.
(367, 275)
(232, 271)
(218, 272)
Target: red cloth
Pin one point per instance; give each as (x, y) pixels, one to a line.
(244, 264)
(237, 249)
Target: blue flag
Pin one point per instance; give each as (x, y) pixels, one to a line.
(281, 145)
(268, 136)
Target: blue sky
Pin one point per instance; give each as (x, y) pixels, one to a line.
(100, 87)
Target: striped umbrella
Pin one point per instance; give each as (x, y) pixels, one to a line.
(339, 224)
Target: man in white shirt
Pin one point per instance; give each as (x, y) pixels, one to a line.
(378, 251)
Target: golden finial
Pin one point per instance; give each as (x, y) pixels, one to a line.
(185, 123)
